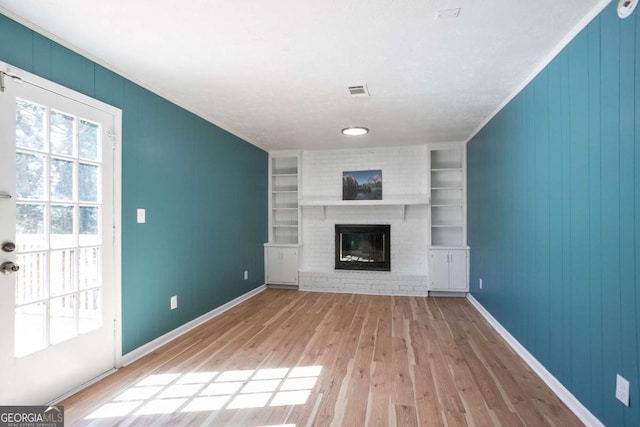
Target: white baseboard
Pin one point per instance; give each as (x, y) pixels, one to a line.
(142, 351)
(556, 386)
(70, 393)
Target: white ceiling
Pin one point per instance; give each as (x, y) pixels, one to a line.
(276, 72)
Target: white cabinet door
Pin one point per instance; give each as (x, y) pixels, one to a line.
(440, 269)
(274, 264)
(458, 270)
(290, 265)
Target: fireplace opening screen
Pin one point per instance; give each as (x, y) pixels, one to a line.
(363, 247)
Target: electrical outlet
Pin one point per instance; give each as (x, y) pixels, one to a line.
(622, 390)
(174, 302)
(141, 216)
(480, 283)
(246, 275)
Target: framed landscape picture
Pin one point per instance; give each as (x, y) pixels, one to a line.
(362, 185)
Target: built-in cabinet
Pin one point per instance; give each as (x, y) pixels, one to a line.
(281, 264)
(449, 269)
(448, 253)
(281, 251)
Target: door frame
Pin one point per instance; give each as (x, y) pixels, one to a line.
(9, 72)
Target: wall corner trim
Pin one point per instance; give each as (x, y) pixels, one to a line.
(581, 25)
(174, 100)
(147, 348)
(556, 386)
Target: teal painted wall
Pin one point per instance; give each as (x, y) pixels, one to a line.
(205, 192)
(554, 216)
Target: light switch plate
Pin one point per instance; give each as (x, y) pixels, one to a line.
(174, 302)
(246, 275)
(141, 216)
(622, 390)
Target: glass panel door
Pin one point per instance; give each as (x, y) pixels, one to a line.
(58, 299)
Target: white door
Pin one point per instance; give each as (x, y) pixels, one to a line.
(57, 311)
(458, 270)
(439, 269)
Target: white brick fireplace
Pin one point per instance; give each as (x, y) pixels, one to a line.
(404, 176)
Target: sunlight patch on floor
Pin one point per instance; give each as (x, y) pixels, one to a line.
(169, 393)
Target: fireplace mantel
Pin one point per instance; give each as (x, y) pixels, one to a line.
(402, 202)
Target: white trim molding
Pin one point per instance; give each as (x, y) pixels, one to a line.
(151, 346)
(184, 105)
(556, 386)
(581, 25)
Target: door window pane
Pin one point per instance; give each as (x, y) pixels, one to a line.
(30, 120)
(89, 267)
(61, 133)
(61, 232)
(62, 272)
(62, 318)
(29, 176)
(88, 141)
(89, 220)
(29, 227)
(30, 328)
(61, 180)
(88, 183)
(30, 279)
(90, 310)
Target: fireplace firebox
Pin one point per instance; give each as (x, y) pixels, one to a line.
(363, 247)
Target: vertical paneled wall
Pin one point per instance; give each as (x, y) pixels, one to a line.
(205, 192)
(554, 215)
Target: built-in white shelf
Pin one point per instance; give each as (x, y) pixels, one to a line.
(402, 202)
(284, 185)
(447, 206)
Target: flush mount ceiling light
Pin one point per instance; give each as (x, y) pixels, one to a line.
(626, 7)
(355, 131)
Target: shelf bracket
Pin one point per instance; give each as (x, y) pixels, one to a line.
(324, 212)
(404, 213)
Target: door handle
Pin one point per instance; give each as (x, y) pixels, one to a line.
(9, 267)
(4, 195)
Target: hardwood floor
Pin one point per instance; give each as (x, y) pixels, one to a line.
(312, 359)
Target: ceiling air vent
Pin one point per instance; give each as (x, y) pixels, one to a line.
(447, 13)
(360, 90)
